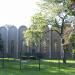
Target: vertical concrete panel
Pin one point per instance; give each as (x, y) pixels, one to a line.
(12, 41)
(50, 43)
(21, 39)
(56, 40)
(3, 32)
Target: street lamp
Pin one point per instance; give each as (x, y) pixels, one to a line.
(50, 29)
(21, 53)
(49, 26)
(50, 47)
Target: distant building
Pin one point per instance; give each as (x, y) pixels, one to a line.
(12, 40)
(21, 45)
(13, 43)
(3, 32)
(53, 41)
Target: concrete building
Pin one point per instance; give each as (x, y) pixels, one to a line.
(3, 32)
(53, 44)
(21, 45)
(13, 42)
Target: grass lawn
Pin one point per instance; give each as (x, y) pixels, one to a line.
(48, 67)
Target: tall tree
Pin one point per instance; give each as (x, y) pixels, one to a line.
(52, 8)
(35, 32)
(49, 9)
(38, 22)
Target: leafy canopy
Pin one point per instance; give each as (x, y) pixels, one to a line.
(34, 33)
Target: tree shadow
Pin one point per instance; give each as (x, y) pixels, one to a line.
(32, 68)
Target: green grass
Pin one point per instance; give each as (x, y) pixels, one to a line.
(48, 67)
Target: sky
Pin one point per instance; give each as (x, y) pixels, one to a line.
(17, 12)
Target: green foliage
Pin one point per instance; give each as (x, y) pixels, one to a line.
(73, 51)
(67, 5)
(70, 7)
(38, 22)
(72, 38)
(31, 36)
(35, 32)
(51, 8)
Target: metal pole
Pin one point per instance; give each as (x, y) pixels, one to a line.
(20, 54)
(59, 59)
(51, 44)
(39, 54)
(39, 63)
(20, 60)
(3, 56)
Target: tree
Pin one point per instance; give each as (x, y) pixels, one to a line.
(35, 32)
(38, 22)
(52, 8)
(49, 9)
(70, 7)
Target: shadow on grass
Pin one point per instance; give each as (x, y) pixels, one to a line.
(31, 68)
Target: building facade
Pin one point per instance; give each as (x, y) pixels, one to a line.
(13, 43)
(12, 40)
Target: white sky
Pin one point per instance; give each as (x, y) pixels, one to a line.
(17, 12)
